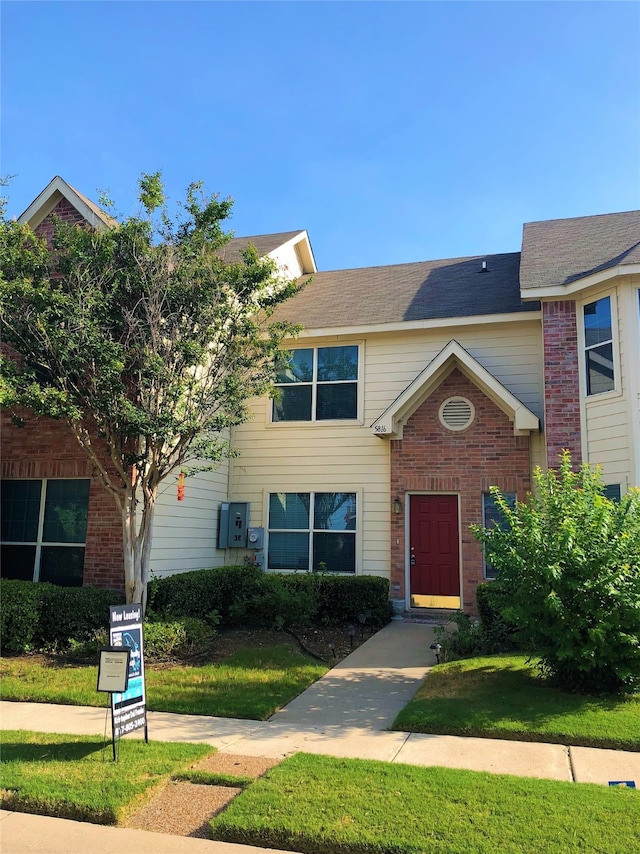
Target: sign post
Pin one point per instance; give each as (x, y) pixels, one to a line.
(128, 696)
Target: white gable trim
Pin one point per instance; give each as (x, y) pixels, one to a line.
(56, 190)
(302, 244)
(391, 423)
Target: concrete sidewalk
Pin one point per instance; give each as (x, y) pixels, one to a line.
(344, 714)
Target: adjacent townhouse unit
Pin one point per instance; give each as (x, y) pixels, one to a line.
(411, 391)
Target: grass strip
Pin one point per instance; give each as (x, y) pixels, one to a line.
(251, 684)
(72, 776)
(323, 805)
(504, 697)
(207, 778)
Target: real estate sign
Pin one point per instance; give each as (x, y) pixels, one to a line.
(129, 708)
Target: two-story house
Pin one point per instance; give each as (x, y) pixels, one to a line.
(411, 390)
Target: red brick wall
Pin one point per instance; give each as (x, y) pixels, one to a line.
(430, 458)
(561, 380)
(64, 211)
(46, 448)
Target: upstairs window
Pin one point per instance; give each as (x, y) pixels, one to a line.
(44, 529)
(598, 341)
(318, 384)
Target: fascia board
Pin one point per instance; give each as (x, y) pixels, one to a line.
(413, 325)
(301, 240)
(555, 291)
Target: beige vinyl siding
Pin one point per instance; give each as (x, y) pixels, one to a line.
(185, 532)
(288, 261)
(611, 419)
(340, 456)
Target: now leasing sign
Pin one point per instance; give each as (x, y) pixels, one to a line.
(129, 707)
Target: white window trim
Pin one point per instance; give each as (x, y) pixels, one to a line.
(39, 542)
(356, 490)
(582, 366)
(325, 422)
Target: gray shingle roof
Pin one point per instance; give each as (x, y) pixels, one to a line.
(560, 251)
(264, 243)
(425, 290)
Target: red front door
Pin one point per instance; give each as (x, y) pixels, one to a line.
(433, 542)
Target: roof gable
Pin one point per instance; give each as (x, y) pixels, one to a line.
(566, 254)
(391, 423)
(56, 190)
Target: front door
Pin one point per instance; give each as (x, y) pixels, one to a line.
(434, 574)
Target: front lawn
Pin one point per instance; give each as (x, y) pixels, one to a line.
(322, 805)
(70, 776)
(251, 683)
(504, 697)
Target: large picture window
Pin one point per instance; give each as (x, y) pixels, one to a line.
(492, 517)
(318, 384)
(44, 530)
(598, 342)
(312, 531)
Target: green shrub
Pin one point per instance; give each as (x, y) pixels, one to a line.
(497, 634)
(569, 562)
(247, 595)
(202, 593)
(19, 614)
(187, 635)
(73, 613)
(464, 641)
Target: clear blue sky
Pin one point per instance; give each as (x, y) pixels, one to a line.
(391, 131)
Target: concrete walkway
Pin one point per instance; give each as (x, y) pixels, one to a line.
(344, 714)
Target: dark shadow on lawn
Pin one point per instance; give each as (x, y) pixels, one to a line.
(59, 751)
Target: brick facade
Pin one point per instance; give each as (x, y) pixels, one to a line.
(561, 381)
(429, 458)
(46, 448)
(63, 211)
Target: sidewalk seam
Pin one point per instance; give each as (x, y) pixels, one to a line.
(395, 755)
(572, 770)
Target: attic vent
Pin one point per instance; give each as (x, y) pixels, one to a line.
(456, 413)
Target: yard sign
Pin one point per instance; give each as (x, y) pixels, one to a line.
(129, 709)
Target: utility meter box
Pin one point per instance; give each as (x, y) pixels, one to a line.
(255, 538)
(234, 520)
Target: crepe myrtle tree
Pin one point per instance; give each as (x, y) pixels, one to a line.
(140, 335)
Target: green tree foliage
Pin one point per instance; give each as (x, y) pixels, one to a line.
(569, 563)
(141, 336)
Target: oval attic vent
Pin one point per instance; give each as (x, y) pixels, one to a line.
(456, 413)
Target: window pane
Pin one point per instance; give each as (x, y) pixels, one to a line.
(299, 369)
(493, 518)
(20, 510)
(337, 401)
(337, 363)
(597, 322)
(335, 511)
(336, 551)
(294, 404)
(289, 510)
(612, 492)
(66, 508)
(600, 369)
(62, 565)
(17, 562)
(289, 551)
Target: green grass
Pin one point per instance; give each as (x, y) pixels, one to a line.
(503, 697)
(322, 805)
(70, 776)
(251, 684)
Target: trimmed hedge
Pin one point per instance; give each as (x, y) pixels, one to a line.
(37, 615)
(240, 595)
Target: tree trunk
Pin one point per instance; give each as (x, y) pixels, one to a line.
(136, 539)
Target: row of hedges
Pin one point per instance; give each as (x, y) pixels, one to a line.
(245, 595)
(36, 615)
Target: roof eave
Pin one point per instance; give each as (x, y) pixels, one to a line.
(55, 190)
(564, 290)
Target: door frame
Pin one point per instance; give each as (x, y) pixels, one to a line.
(407, 548)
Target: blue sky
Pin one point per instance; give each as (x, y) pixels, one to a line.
(391, 131)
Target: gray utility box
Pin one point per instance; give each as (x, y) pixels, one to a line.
(233, 524)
